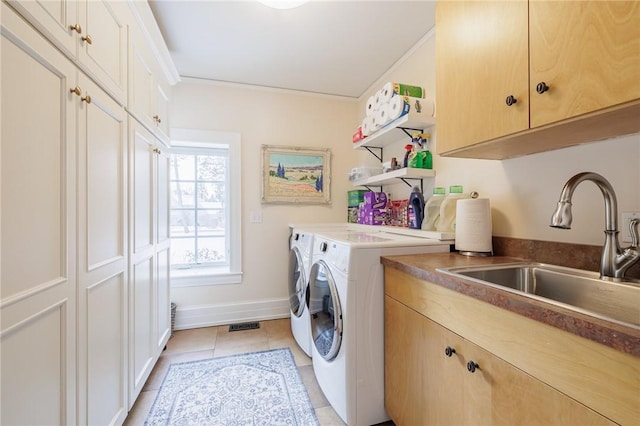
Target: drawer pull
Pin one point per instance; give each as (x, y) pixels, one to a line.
(472, 366)
(449, 351)
(511, 100)
(77, 28)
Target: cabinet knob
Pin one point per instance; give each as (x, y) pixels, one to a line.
(449, 351)
(76, 90)
(472, 366)
(156, 118)
(542, 87)
(77, 28)
(511, 100)
(87, 39)
(86, 99)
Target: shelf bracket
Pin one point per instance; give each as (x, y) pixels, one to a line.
(409, 131)
(369, 148)
(376, 186)
(410, 185)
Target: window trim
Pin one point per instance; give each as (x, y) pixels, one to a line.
(211, 139)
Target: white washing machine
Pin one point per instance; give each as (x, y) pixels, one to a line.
(346, 305)
(300, 257)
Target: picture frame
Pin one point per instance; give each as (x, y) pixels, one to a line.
(296, 175)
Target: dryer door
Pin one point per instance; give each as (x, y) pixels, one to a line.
(297, 282)
(325, 310)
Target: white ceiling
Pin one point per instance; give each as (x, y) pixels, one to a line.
(330, 47)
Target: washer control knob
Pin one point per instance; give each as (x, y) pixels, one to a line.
(323, 246)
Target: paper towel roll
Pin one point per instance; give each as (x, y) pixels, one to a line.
(473, 227)
(378, 99)
(387, 93)
(424, 107)
(371, 105)
(397, 107)
(381, 116)
(367, 125)
(408, 90)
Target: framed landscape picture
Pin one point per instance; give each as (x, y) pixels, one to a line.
(296, 175)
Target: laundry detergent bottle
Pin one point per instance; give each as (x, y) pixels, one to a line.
(447, 222)
(432, 209)
(416, 208)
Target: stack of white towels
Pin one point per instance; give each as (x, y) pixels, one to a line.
(392, 102)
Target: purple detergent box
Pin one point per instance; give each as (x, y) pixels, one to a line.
(375, 200)
(375, 216)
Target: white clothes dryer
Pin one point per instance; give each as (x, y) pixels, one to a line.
(300, 251)
(346, 305)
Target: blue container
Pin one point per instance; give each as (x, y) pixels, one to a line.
(416, 208)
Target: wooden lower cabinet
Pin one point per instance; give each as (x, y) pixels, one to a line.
(425, 386)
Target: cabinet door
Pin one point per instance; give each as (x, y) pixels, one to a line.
(444, 378)
(482, 58)
(498, 393)
(162, 109)
(102, 260)
(103, 45)
(142, 86)
(54, 18)
(587, 52)
(163, 244)
(403, 372)
(37, 228)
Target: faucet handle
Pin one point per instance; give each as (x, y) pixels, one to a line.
(633, 230)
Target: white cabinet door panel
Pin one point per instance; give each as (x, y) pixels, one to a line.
(102, 263)
(37, 228)
(54, 19)
(105, 54)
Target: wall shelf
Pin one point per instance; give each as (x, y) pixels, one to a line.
(393, 176)
(396, 130)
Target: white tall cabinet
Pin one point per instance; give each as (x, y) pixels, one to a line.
(150, 323)
(84, 290)
(38, 284)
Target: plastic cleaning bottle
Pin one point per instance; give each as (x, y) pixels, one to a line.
(427, 158)
(448, 209)
(408, 148)
(416, 208)
(432, 209)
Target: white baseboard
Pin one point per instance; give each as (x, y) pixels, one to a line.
(224, 314)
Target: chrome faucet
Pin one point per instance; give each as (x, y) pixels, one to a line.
(615, 261)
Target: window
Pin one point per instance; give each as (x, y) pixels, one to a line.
(205, 194)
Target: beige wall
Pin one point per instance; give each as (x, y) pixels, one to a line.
(523, 191)
(272, 117)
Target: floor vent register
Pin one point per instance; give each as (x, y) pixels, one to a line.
(244, 326)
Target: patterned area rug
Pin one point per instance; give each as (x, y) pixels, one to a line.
(260, 388)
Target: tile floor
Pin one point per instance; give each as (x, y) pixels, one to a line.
(202, 343)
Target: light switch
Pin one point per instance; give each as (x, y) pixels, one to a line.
(255, 217)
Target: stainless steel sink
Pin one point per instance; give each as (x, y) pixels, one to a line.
(576, 289)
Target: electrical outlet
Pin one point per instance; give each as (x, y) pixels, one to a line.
(624, 231)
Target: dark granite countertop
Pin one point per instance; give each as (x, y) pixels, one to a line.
(609, 333)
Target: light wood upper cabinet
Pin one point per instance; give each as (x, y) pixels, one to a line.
(481, 58)
(586, 53)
